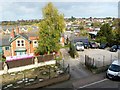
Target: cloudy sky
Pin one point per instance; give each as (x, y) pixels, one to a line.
(17, 10)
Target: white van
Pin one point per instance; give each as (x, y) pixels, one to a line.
(79, 46)
(113, 71)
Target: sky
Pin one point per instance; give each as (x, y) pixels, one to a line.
(25, 9)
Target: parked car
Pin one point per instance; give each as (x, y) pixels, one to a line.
(86, 45)
(93, 45)
(79, 46)
(114, 48)
(113, 71)
(103, 46)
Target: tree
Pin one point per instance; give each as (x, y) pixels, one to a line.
(50, 29)
(72, 18)
(117, 33)
(105, 33)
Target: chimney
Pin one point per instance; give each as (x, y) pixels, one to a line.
(12, 34)
(17, 30)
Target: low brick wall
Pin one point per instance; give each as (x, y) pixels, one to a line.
(48, 82)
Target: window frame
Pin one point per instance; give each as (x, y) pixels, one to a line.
(20, 43)
(35, 44)
(7, 48)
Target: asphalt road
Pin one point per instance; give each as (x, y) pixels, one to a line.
(105, 83)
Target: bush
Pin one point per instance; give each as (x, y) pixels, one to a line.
(72, 51)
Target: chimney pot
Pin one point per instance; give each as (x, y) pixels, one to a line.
(17, 30)
(12, 34)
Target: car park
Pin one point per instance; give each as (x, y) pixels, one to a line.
(114, 48)
(86, 45)
(113, 71)
(103, 46)
(93, 45)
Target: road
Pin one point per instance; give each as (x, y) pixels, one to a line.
(96, 81)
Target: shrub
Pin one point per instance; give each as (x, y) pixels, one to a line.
(72, 51)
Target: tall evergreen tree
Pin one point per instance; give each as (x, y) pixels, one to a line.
(50, 29)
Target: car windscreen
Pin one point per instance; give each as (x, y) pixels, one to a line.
(115, 46)
(79, 44)
(114, 68)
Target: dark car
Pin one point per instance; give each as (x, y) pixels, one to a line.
(114, 48)
(93, 45)
(86, 45)
(103, 46)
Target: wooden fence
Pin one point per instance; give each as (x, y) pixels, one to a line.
(18, 63)
(28, 61)
(43, 58)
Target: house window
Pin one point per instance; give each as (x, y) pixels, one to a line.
(7, 48)
(20, 43)
(35, 43)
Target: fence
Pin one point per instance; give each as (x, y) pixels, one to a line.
(27, 61)
(18, 63)
(42, 58)
(99, 60)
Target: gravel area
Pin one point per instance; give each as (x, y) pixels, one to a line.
(99, 55)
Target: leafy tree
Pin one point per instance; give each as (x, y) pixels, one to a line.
(105, 33)
(96, 24)
(50, 29)
(117, 34)
(84, 33)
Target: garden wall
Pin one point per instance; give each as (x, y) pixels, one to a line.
(51, 81)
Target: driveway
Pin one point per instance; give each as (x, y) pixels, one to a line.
(77, 69)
